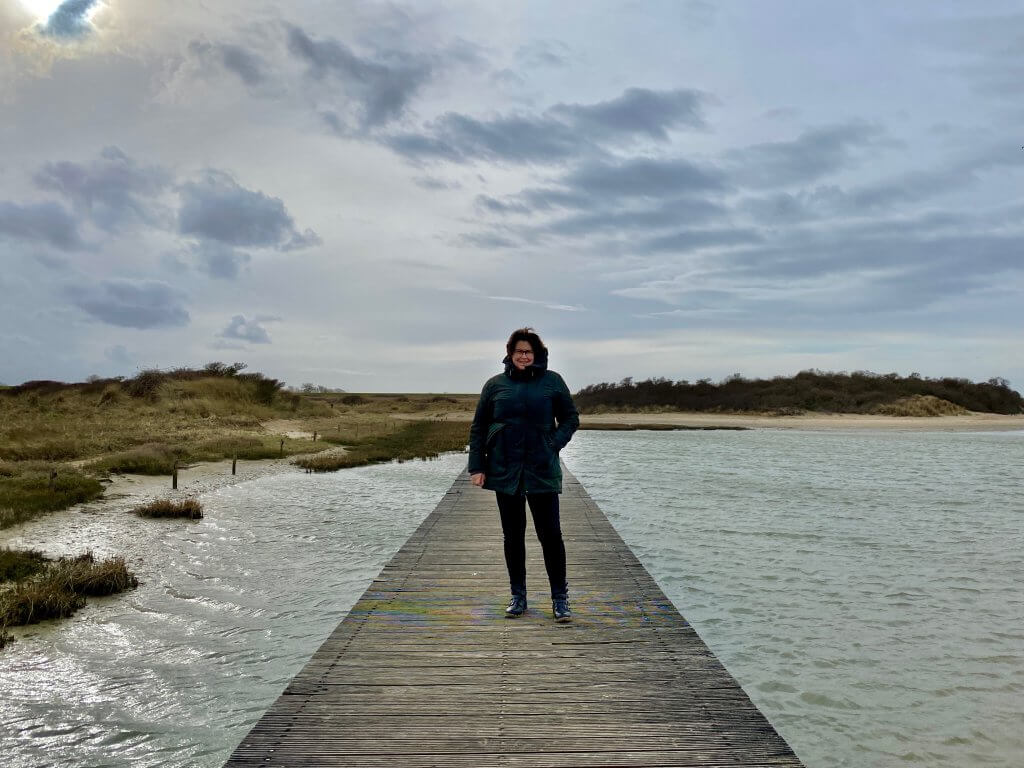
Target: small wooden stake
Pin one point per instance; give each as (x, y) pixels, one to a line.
(234, 463)
(314, 436)
(282, 446)
(174, 477)
(53, 478)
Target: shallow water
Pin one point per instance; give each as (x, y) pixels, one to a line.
(866, 589)
(230, 608)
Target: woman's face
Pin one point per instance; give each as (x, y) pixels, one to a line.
(522, 355)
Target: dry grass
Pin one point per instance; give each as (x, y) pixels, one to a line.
(61, 589)
(418, 439)
(187, 508)
(151, 423)
(26, 490)
(921, 405)
(16, 565)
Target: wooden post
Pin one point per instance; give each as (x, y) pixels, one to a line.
(234, 463)
(282, 446)
(314, 435)
(174, 477)
(53, 478)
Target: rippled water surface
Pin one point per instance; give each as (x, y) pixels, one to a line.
(176, 672)
(866, 589)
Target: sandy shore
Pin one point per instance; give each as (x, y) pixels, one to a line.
(972, 422)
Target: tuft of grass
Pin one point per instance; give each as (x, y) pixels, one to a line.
(16, 565)
(61, 589)
(25, 491)
(5, 637)
(418, 440)
(189, 508)
(920, 405)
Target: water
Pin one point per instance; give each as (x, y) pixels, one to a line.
(864, 588)
(230, 608)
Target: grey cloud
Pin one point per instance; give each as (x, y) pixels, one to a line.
(429, 182)
(493, 205)
(119, 354)
(645, 177)
(111, 190)
(563, 132)
(637, 111)
(131, 303)
(381, 89)
(70, 20)
(669, 214)
(234, 58)
(48, 223)
(218, 208)
(543, 53)
(516, 138)
(692, 239)
(246, 330)
(487, 240)
(220, 261)
(813, 154)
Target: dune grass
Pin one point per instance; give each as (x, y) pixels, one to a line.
(418, 439)
(921, 405)
(26, 490)
(149, 424)
(61, 588)
(187, 508)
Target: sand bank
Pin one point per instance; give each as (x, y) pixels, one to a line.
(972, 422)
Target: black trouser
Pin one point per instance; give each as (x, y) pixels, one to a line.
(544, 508)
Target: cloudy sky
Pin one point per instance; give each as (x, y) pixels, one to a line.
(372, 195)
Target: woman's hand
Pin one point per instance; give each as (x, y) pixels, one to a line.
(477, 479)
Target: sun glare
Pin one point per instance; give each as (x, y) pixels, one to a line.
(43, 9)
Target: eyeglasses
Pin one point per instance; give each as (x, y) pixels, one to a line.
(527, 352)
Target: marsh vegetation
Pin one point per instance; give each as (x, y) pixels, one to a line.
(58, 441)
(34, 589)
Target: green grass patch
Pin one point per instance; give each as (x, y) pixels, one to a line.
(417, 440)
(188, 508)
(27, 491)
(61, 589)
(16, 565)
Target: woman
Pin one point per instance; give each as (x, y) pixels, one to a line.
(525, 416)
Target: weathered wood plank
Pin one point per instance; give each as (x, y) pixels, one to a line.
(426, 671)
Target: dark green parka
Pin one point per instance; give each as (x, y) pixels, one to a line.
(523, 419)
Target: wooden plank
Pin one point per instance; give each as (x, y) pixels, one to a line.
(426, 671)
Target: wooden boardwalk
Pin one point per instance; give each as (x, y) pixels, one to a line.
(426, 671)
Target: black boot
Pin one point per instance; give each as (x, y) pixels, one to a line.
(560, 608)
(516, 607)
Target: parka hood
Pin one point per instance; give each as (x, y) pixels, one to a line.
(537, 367)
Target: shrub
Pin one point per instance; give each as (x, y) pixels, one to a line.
(353, 400)
(146, 383)
(188, 508)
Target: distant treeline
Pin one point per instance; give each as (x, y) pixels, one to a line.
(813, 390)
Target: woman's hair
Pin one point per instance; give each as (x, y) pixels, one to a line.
(528, 335)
